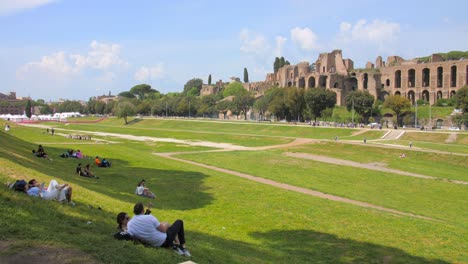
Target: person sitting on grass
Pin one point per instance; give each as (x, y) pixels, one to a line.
(141, 190)
(40, 154)
(122, 221)
(79, 154)
(79, 170)
(148, 229)
(105, 163)
(87, 172)
(60, 192)
(97, 161)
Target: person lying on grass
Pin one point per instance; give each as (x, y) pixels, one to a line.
(60, 192)
(148, 229)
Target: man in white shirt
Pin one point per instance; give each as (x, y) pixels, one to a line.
(148, 229)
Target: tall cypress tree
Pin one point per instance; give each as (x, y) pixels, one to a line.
(28, 109)
(276, 65)
(246, 76)
(209, 79)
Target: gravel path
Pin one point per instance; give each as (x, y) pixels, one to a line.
(370, 166)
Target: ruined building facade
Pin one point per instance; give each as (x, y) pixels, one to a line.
(413, 79)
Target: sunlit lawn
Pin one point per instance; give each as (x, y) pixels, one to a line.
(229, 219)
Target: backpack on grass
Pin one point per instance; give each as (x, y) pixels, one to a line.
(19, 185)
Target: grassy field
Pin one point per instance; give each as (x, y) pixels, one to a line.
(230, 219)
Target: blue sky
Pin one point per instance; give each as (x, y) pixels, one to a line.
(76, 49)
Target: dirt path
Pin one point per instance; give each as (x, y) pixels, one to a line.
(370, 166)
(295, 188)
(451, 138)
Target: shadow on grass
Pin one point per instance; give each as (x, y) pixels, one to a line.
(134, 121)
(175, 189)
(32, 222)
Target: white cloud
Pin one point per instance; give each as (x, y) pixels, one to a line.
(252, 44)
(101, 56)
(377, 31)
(149, 73)
(57, 63)
(305, 37)
(279, 46)
(8, 7)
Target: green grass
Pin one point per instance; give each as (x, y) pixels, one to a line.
(380, 188)
(443, 166)
(229, 219)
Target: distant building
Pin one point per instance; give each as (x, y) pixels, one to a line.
(414, 79)
(107, 98)
(10, 104)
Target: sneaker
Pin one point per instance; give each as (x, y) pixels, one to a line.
(185, 251)
(72, 203)
(178, 250)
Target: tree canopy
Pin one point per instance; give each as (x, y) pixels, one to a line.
(195, 82)
(142, 91)
(234, 88)
(398, 104)
(319, 99)
(209, 79)
(362, 102)
(279, 63)
(123, 109)
(461, 99)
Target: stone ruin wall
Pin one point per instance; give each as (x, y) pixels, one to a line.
(379, 79)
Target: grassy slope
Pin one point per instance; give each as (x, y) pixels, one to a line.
(228, 219)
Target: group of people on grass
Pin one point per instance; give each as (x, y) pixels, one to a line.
(143, 227)
(85, 171)
(72, 154)
(147, 229)
(40, 153)
(102, 163)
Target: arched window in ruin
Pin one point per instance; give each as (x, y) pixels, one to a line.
(301, 82)
(411, 97)
(323, 81)
(439, 95)
(411, 77)
(354, 84)
(366, 79)
(296, 71)
(336, 85)
(426, 77)
(398, 79)
(440, 76)
(452, 94)
(289, 84)
(387, 82)
(453, 76)
(277, 84)
(439, 123)
(425, 95)
(291, 75)
(311, 82)
(466, 78)
(397, 93)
